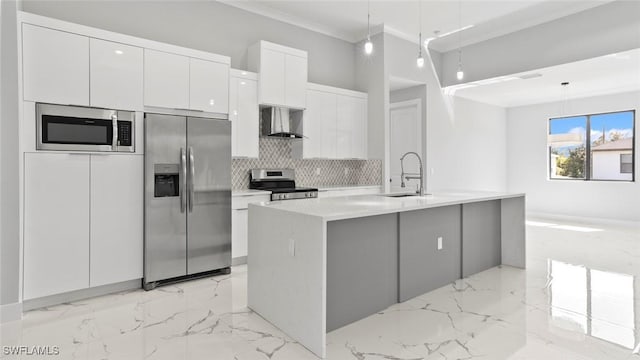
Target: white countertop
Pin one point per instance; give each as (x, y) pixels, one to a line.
(249, 192)
(347, 207)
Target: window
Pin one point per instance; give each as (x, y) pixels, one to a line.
(607, 153)
(626, 164)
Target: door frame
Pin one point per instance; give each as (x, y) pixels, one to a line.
(421, 123)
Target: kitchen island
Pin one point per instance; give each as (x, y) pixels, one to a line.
(318, 264)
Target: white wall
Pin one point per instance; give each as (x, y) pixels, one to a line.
(527, 164)
(606, 29)
(477, 139)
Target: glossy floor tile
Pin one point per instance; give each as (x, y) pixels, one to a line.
(578, 299)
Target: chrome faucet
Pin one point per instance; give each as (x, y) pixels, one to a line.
(409, 176)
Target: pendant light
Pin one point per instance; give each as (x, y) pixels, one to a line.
(460, 73)
(420, 59)
(368, 46)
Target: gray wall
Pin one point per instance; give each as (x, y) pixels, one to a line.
(602, 30)
(208, 26)
(9, 213)
(372, 78)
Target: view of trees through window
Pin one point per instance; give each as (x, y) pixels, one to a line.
(606, 154)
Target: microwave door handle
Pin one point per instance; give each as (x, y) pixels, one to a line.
(192, 168)
(114, 137)
(183, 180)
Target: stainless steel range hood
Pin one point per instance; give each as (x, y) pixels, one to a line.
(281, 122)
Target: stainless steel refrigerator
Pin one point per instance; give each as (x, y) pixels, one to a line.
(187, 220)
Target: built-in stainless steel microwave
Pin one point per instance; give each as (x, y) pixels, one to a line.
(76, 128)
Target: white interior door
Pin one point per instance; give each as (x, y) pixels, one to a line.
(405, 134)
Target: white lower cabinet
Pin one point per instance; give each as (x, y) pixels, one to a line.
(240, 228)
(240, 222)
(116, 219)
(83, 218)
(56, 224)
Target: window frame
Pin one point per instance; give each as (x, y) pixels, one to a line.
(588, 161)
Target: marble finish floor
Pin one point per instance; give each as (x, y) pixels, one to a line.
(578, 299)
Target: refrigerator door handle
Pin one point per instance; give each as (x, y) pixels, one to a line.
(192, 168)
(183, 179)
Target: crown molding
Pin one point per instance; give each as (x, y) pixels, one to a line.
(257, 8)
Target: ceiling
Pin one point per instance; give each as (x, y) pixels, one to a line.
(609, 74)
(347, 19)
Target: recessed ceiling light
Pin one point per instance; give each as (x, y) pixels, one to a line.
(619, 56)
(529, 76)
(119, 52)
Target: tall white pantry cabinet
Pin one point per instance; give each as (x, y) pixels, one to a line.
(82, 212)
(83, 221)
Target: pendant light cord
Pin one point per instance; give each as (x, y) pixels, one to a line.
(459, 34)
(420, 30)
(368, 19)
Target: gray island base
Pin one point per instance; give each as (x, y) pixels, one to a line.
(317, 265)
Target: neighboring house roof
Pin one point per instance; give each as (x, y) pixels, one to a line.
(624, 144)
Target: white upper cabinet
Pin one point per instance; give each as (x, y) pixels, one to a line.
(117, 219)
(208, 86)
(166, 80)
(351, 127)
(334, 124)
(272, 77)
(244, 114)
(295, 83)
(282, 74)
(310, 146)
(55, 66)
(360, 136)
(116, 75)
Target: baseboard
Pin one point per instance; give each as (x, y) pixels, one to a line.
(240, 260)
(10, 312)
(584, 219)
(81, 294)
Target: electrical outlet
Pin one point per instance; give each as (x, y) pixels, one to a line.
(439, 242)
(292, 247)
(317, 171)
(433, 171)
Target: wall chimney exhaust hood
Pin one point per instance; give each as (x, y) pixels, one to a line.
(281, 122)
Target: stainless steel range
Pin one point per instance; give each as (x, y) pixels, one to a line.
(281, 183)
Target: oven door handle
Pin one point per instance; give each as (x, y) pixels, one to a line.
(114, 137)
